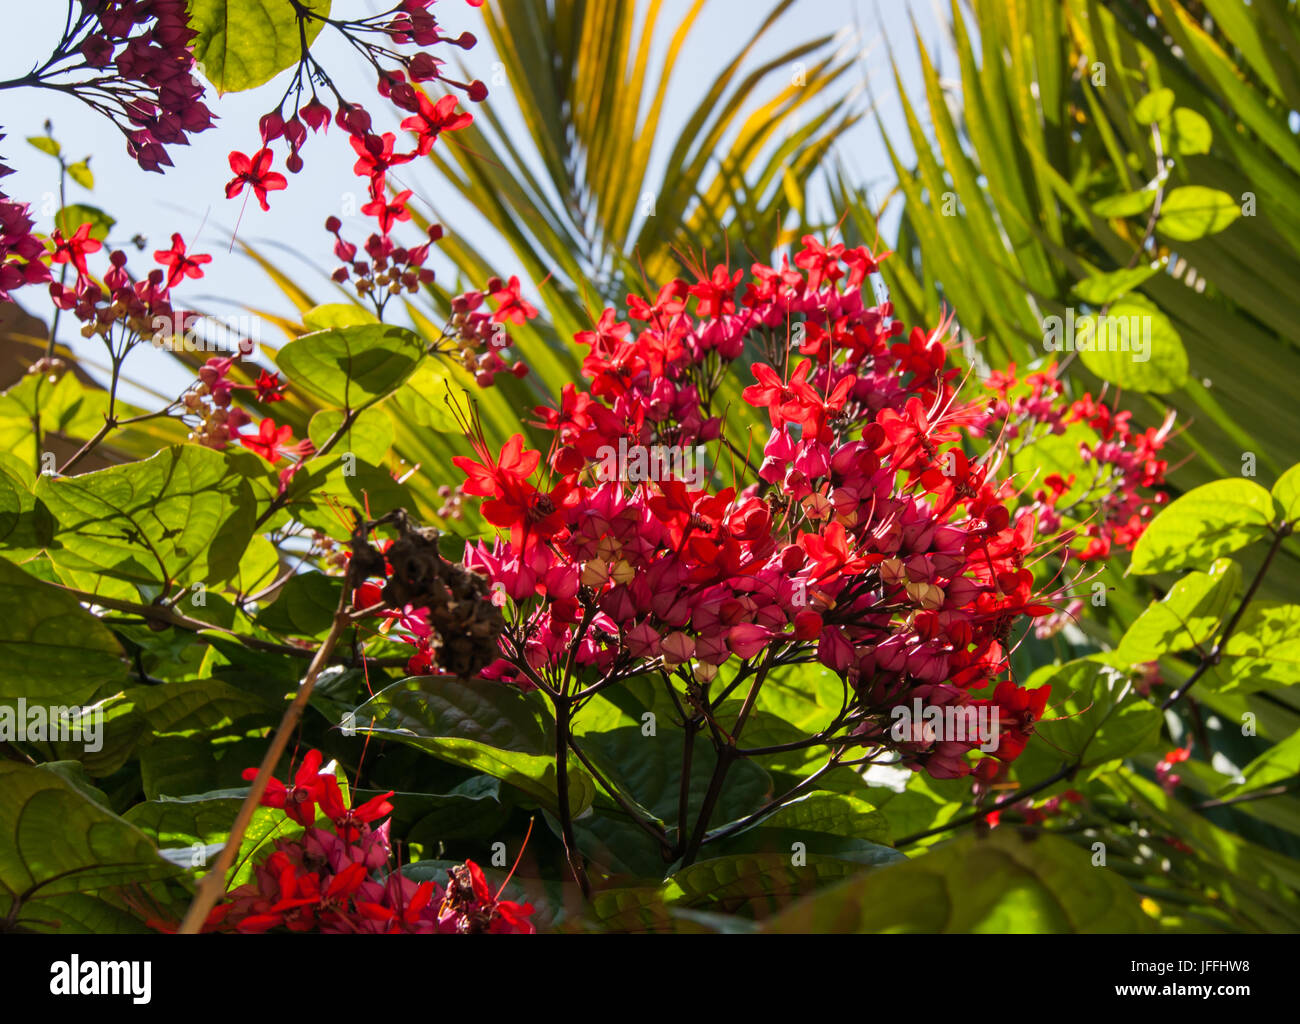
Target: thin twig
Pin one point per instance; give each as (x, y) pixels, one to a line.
(213, 885)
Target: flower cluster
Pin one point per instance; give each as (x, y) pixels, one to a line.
(479, 335)
(864, 537)
(339, 877)
(400, 80)
(21, 252)
(1028, 813)
(135, 309)
(1118, 500)
(1165, 773)
(130, 60)
(391, 269)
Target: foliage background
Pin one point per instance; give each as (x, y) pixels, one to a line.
(1028, 146)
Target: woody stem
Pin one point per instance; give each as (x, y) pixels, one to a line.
(562, 712)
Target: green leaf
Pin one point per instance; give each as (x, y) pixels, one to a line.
(26, 526)
(69, 861)
(355, 483)
(1208, 521)
(183, 515)
(833, 825)
(258, 568)
(1102, 289)
(1128, 204)
(349, 366)
(66, 405)
(423, 400)
(45, 144)
(648, 768)
(487, 726)
(71, 217)
(1194, 211)
(368, 438)
(81, 174)
(1097, 716)
(1185, 617)
(766, 880)
(304, 606)
(1274, 765)
(53, 650)
(1192, 134)
(242, 44)
(337, 314)
(1264, 650)
(995, 885)
(472, 810)
(1154, 106)
(1141, 350)
(1287, 493)
(196, 704)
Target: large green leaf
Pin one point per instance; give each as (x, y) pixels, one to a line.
(242, 44)
(368, 437)
(350, 366)
(68, 861)
(1142, 350)
(26, 526)
(1097, 715)
(1212, 520)
(1194, 211)
(183, 515)
(1287, 493)
(1185, 617)
(196, 704)
(997, 884)
(55, 652)
(1264, 650)
(487, 726)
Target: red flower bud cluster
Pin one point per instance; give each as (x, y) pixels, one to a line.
(131, 60)
(391, 269)
(480, 335)
(341, 879)
(140, 308)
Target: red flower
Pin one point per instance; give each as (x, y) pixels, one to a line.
(832, 553)
(529, 514)
(74, 250)
(716, 294)
(347, 821)
(269, 387)
(387, 212)
(375, 156)
(822, 263)
(299, 800)
(433, 119)
(783, 400)
(511, 306)
(1018, 710)
(180, 266)
(273, 442)
(255, 171)
(489, 479)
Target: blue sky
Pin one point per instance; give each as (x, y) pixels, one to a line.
(189, 197)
